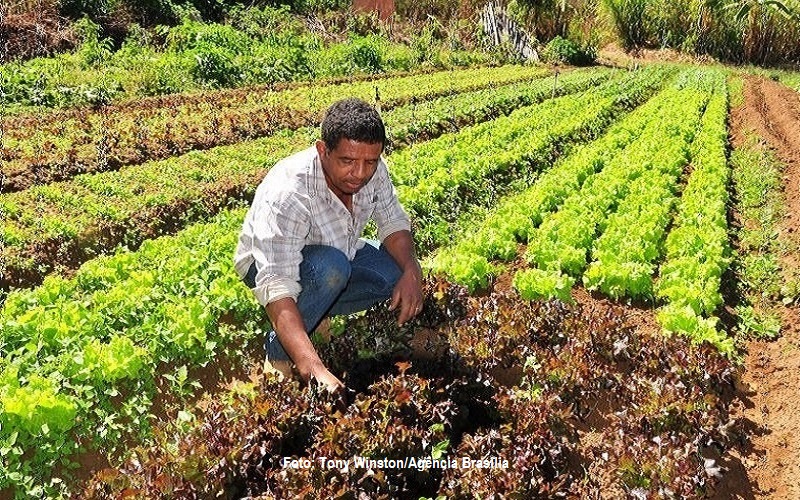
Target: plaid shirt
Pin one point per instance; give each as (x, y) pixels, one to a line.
(293, 207)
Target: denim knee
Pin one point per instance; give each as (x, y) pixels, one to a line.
(325, 267)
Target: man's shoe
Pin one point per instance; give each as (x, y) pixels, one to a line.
(280, 368)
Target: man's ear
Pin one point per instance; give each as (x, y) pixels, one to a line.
(321, 149)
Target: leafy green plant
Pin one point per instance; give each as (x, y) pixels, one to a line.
(543, 284)
(565, 51)
(759, 326)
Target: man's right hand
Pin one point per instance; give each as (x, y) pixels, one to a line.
(288, 325)
(328, 379)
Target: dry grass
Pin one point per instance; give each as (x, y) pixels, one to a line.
(32, 28)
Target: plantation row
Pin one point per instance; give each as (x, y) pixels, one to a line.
(437, 180)
(697, 247)
(614, 200)
(44, 148)
(69, 222)
(514, 219)
(75, 345)
(507, 381)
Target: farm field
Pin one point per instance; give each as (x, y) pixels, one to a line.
(604, 295)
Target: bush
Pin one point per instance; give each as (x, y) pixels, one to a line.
(216, 66)
(561, 50)
(360, 55)
(194, 35)
(267, 23)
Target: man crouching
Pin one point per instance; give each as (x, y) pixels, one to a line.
(300, 249)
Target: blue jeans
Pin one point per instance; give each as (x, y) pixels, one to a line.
(333, 285)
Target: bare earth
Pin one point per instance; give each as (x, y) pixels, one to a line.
(768, 405)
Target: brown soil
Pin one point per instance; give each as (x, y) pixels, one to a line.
(768, 395)
(614, 55)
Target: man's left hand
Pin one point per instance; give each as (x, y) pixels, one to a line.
(408, 295)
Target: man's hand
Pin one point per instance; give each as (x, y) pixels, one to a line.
(407, 294)
(288, 324)
(318, 372)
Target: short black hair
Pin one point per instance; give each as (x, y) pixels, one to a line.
(353, 119)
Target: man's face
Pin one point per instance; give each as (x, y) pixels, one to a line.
(350, 165)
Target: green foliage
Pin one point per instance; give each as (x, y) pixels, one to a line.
(361, 54)
(757, 178)
(267, 23)
(753, 324)
(630, 22)
(754, 31)
(682, 320)
(562, 50)
(34, 407)
(261, 45)
(533, 284)
(92, 51)
(516, 217)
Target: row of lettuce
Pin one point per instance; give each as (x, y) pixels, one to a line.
(508, 381)
(40, 148)
(84, 353)
(615, 199)
(66, 223)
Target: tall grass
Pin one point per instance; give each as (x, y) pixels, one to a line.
(740, 31)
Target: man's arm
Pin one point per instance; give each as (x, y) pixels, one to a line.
(291, 332)
(278, 230)
(408, 291)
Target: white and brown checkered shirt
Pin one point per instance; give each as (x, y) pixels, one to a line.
(293, 207)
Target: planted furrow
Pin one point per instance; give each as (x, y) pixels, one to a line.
(436, 181)
(64, 144)
(632, 241)
(426, 120)
(495, 236)
(72, 347)
(64, 224)
(559, 247)
(697, 247)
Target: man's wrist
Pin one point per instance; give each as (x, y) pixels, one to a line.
(310, 366)
(414, 270)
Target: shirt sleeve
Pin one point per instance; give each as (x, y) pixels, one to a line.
(389, 214)
(279, 232)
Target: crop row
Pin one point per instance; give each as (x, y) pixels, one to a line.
(631, 203)
(63, 144)
(624, 255)
(80, 355)
(515, 219)
(512, 381)
(620, 214)
(438, 179)
(429, 119)
(697, 247)
(63, 224)
(74, 345)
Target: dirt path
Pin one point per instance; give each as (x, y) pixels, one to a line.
(769, 405)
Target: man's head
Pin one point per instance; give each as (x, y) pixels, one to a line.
(353, 138)
(353, 119)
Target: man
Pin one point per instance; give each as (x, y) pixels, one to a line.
(300, 251)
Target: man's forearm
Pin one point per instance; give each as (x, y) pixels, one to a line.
(407, 293)
(291, 332)
(400, 246)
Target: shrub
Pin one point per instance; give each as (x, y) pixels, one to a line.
(561, 50)
(360, 55)
(194, 35)
(216, 66)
